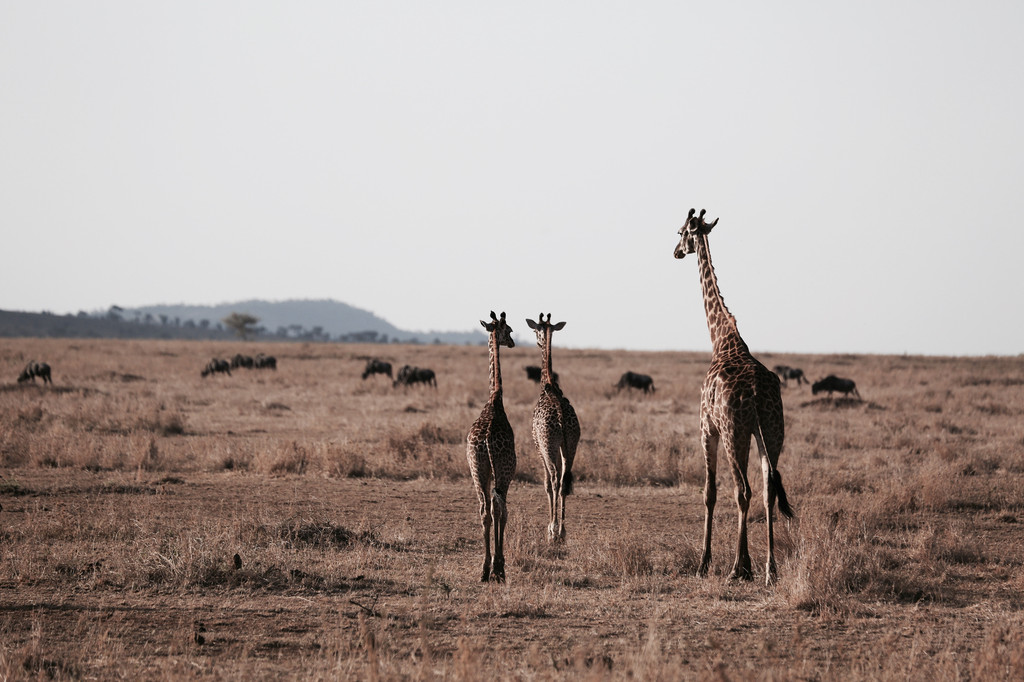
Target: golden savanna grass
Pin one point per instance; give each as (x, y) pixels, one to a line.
(131, 485)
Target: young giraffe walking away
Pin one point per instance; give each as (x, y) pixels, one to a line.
(556, 430)
(741, 398)
(491, 450)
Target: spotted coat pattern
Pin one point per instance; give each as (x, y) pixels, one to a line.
(491, 451)
(556, 431)
(740, 399)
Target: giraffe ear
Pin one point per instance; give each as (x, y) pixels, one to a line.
(558, 327)
(531, 323)
(486, 325)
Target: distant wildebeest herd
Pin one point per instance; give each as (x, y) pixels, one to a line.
(239, 361)
(407, 375)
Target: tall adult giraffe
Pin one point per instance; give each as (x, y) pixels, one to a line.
(741, 398)
(556, 430)
(491, 450)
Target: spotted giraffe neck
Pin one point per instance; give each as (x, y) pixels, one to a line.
(494, 366)
(725, 335)
(545, 360)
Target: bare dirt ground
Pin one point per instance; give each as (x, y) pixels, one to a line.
(307, 524)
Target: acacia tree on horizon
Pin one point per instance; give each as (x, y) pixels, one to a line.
(243, 324)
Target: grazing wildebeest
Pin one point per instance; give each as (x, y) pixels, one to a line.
(241, 361)
(785, 373)
(35, 369)
(833, 383)
(407, 376)
(533, 374)
(376, 366)
(262, 361)
(216, 365)
(635, 380)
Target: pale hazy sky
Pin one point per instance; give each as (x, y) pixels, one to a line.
(432, 161)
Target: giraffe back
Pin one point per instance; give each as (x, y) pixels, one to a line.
(491, 446)
(741, 395)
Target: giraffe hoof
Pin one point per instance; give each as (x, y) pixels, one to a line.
(741, 574)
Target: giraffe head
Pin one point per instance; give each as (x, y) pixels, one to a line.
(502, 332)
(544, 329)
(688, 233)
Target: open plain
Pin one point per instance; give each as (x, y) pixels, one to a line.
(306, 523)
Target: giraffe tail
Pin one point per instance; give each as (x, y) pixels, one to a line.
(775, 479)
(567, 481)
(780, 494)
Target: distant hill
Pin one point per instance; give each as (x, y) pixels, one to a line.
(309, 320)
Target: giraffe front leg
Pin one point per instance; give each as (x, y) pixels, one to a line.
(770, 569)
(710, 494)
(741, 569)
(500, 518)
(485, 520)
(710, 443)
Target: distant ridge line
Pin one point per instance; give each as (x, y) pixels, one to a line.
(323, 320)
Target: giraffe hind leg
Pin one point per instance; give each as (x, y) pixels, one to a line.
(566, 483)
(773, 492)
(551, 482)
(741, 569)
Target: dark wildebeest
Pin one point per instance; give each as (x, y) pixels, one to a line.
(407, 376)
(241, 361)
(35, 369)
(635, 380)
(216, 365)
(376, 366)
(533, 374)
(262, 361)
(833, 383)
(785, 373)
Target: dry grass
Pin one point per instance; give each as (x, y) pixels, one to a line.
(129, 487)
